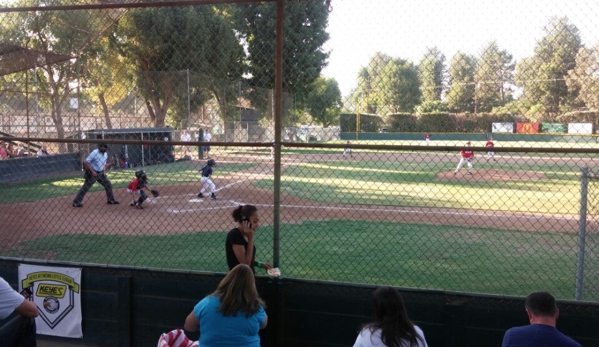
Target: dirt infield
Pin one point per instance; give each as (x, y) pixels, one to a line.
(178, 210)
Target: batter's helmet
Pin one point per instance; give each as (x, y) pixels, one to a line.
(140, 173)
(211, 162)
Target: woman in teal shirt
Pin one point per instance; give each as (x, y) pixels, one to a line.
(232, 315)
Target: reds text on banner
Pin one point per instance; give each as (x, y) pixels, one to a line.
(57, 294)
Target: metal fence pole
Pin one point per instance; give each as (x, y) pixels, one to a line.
(582, 232)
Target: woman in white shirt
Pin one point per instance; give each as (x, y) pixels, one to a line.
(391, 326)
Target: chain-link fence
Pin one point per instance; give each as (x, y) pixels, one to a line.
(410, 155)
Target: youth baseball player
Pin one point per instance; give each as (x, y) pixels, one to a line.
(467, 156)
(347, 150)
(427, 139)
(490, 153)
(206, 180)
(136, 189)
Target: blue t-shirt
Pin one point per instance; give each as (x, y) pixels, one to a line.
(97, 160)
(207, 171)
(537, 335)
(217, 330)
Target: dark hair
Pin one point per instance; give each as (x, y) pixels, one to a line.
(237, 292)
(103, 145)
(391, 317)
(243, 212)
(541, 304)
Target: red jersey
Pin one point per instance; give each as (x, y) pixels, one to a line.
(427, 137)
(489, 144)
(134, 185)
(467, 154)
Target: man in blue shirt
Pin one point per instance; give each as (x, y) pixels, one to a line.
(542, 313)
(95, 171)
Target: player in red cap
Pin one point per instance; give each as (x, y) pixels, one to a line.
(466, 158)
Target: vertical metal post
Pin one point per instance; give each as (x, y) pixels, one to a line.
(277, 121)
(188, 102)
(143, 159)
(582, 232)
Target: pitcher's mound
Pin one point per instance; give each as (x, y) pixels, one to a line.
(490, 175)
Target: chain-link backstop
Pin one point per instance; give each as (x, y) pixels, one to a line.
(355, 181)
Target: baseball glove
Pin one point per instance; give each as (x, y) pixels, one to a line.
(155, 193)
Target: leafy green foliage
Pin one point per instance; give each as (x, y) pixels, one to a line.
(163, 43)
(431, 72)
(323, 102)
(460, 97)
(304, 26)
(543, 76)
(493, 78)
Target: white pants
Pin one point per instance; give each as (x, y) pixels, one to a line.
(461, 163)
(347, 151)
(207, 184)
(490, 155)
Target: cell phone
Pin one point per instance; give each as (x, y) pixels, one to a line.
(249, 223)
(26, 292)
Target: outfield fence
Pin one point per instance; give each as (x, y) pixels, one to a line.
(343, 193)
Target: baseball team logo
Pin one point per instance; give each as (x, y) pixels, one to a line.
(56, 292)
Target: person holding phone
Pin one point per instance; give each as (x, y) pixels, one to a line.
(239, 246)
(20, 331)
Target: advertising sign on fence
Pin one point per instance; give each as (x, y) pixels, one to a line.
(580, 128)
(527, 128)
(503, 128)
(57, 294)
(553, 127)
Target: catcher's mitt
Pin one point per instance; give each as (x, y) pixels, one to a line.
(155, 193)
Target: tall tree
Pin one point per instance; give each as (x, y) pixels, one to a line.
(584, 78)
(460, 97)
(493, 77)
(56, 32)
(431, 71)
(543, 75)
(363, 97)
(163, 43)
(304, 36)
(397, 87)
(324, 101)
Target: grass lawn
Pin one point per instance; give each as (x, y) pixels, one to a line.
(415, 184)
(410, 255)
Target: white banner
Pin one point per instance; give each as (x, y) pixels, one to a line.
(57, 294)
(503, 127)
(580, 128)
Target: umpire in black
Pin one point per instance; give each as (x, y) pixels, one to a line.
(95, 166)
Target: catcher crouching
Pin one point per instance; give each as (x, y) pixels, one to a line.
(137, 188)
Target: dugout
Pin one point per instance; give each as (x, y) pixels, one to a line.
(124, 156)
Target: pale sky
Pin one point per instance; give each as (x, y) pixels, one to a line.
(404, 29)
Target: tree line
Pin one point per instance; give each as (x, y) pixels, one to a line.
(561, 77)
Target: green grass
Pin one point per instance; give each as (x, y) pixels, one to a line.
(159, 175)
(411, 255)
(415, 184)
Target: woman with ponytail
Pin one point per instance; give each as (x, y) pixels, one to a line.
(240, 246)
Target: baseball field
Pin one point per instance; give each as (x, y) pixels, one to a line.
(382, 217)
